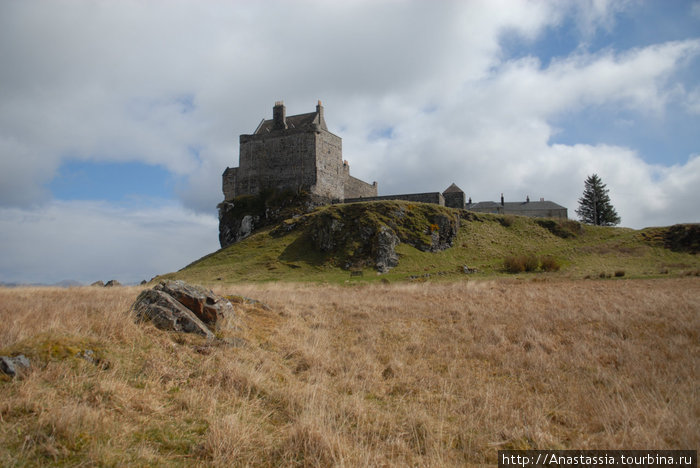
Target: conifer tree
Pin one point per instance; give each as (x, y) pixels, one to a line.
(594, 205)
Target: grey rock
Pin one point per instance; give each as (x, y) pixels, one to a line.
(232, 228)
(178, 306)
(112, 283)
(12, 365)
(324, 236)
(444, 236)
(167, 314)
(207, 306)
(246, 228)
(385, 251)
(98, 283)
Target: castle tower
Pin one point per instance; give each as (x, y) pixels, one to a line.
(293, 153)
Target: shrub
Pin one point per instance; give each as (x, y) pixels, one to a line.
(520, 263)
(619, 273)
(532, 263)
(550, 264)
(514, 264)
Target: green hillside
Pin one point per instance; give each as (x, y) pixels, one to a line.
(338, 244)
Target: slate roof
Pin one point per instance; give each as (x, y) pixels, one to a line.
(453, 188)
(516, 206)
(293, 121)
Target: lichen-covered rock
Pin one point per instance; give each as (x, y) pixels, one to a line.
(167, 314)
(178, 306)
(207, 306)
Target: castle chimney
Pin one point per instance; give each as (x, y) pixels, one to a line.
(502, 201)
(279, 116)
(319, 113)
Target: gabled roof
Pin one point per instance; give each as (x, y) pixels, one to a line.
(452, 189)
(293, 121)
(517, 206)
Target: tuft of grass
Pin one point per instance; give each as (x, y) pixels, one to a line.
(564, 228)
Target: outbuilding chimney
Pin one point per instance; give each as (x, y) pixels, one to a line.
(279, 116)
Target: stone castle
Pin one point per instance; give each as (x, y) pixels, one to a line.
(298, 153)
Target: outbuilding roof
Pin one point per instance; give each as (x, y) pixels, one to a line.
(453, 189)
(516, 206)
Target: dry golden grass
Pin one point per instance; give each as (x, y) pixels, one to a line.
(381, 375)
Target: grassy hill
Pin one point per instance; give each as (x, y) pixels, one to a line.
(483, 242)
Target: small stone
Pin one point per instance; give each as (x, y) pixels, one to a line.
(11, 365)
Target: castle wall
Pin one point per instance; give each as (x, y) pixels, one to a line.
(539, 213)
(430, 197)
(329, 166)
(356, 188)
(454, 199)
(284, 161)
(229, 183)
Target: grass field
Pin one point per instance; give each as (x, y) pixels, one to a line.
(411, 374)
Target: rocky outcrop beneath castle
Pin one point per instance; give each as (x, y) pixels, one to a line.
(178, 306)
(367, 234)
(232, 226)
(385, 256)
(240, 217)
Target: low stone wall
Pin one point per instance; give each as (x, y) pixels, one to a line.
(428, 197)
(356, 188)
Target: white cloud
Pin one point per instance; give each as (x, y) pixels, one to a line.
(90, 241)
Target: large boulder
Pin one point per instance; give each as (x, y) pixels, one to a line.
(178, 306)
(207, 306)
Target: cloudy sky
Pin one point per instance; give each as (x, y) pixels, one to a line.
(117, 118)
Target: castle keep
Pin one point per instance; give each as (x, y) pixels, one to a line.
(294, 152)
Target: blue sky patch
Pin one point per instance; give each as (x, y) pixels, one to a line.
(115, 181)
